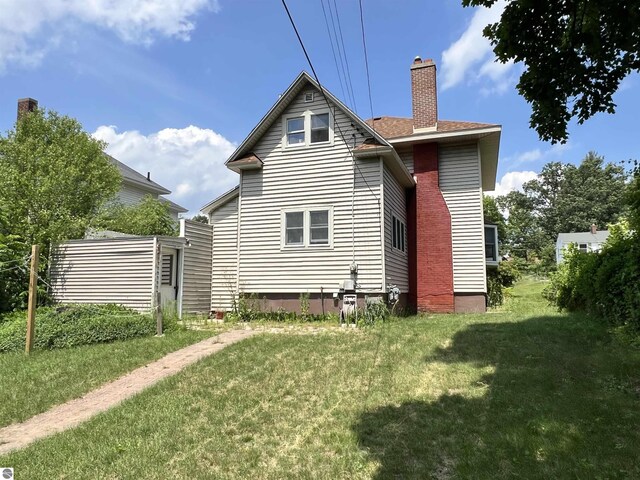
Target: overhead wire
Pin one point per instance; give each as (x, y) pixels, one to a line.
(346, 60)
(333, 51)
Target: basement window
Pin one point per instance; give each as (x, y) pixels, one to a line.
(399, 234)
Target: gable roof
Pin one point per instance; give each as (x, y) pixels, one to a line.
(129, 175)
(244, 150)
(584, 237)
(173, 206)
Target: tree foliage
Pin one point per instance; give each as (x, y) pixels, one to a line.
(13, 274)
(54, 177)
(564, 198)
(149, 217)
(200, 218)
(492, 214)
(575, 54)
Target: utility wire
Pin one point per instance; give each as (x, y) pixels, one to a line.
(366, 63)
(346, 60)
(333, 51)
(340, 54)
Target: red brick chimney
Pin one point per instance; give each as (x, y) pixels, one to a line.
(26, 105)
(424, 94)
(594, 229)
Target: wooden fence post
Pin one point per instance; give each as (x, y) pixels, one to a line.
(158, 314)
(33, 297)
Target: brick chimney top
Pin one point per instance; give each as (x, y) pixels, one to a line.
(594, 229)
(26, 105)
(424, 96)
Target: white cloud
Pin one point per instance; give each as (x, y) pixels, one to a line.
(27, 26)
(189, 161)
(470, 58)
(512, 181)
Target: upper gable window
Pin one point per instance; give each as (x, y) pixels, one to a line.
(320, 128)
(310, 128)
(295, 131)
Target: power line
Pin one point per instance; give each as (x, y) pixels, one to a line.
(366, 62)
(340, 55)
(346, 60)
(333, 51)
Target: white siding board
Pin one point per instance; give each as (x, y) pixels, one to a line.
(396, 262)
(460, 182)
(224, 258)
(196, 283)
(406, 155)
(116, 271)
(313, 176)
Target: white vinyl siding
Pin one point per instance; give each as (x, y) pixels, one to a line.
(461, 187)
(396, 262)
(130, 195)
(196, 288)
(406, 155)
(224, 259)
(104, 271)
(315, 177)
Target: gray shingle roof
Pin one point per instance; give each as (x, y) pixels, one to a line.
(131, 176)
(584, 237)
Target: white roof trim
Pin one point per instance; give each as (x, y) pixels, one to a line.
(446, 135)
(221, 200)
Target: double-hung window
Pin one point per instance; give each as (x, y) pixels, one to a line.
(295, 131)
(399, 230)
(307, 228)
(310, 128)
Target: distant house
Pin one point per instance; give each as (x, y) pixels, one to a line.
(134, 185)
(590, 241)
(325, 196)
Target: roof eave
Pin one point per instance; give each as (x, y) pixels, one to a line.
(221, 200)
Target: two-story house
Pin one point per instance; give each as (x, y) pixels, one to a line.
(325, 196)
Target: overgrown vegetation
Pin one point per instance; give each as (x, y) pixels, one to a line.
(149, 217)
(499, 280)
(74, 325)
(606, 283)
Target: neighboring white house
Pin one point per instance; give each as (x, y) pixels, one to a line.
(135, 186)
(325, 196)
(590, 241)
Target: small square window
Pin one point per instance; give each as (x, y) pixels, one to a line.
(294, 228)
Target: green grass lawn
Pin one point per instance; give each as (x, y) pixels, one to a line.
(31, 384)
(523, 392)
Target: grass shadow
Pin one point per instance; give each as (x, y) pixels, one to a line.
(560, 401)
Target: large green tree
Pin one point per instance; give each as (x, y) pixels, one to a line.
(54, 178)
(575, 54)
(564, 198)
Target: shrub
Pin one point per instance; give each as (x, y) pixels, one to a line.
(74, 325)
(504, 276)
(607, 284)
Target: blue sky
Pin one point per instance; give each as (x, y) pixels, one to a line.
(174, 86)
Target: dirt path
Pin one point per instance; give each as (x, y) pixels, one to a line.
(74, 412)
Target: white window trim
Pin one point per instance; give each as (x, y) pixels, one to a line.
(307, 129)
(306, 228)
(403, 224)
(497, 245)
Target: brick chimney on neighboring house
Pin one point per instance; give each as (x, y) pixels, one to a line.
(594, 229)
(26, 105)
(424, 95)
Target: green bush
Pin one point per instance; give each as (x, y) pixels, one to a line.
(606, 284)
(504, 276)
(74, 325)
